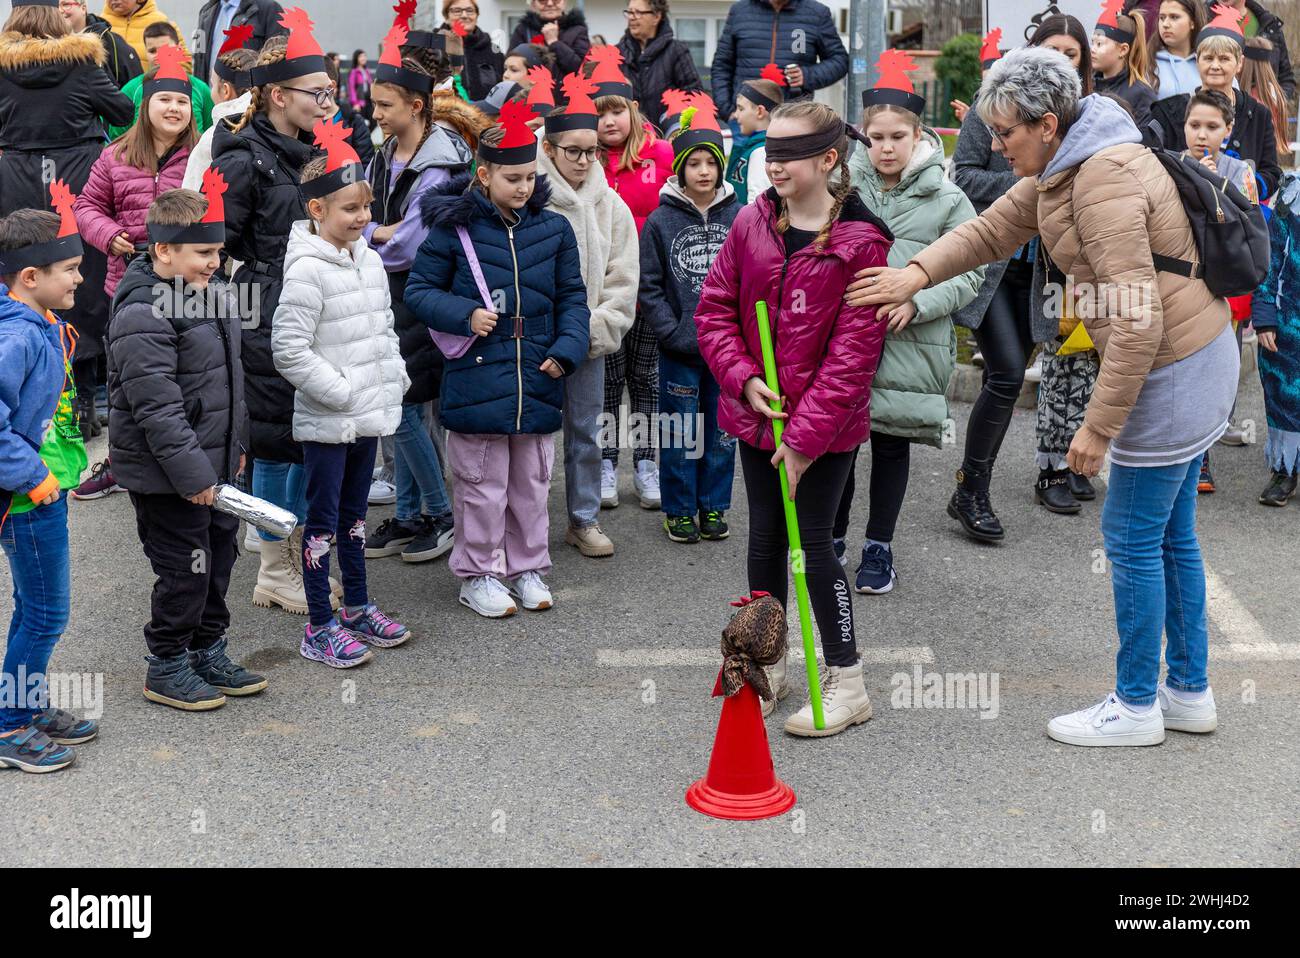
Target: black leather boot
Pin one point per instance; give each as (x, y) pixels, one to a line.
(1052, 492)
(1081, 487)
(971, 507)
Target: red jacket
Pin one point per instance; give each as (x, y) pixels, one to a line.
(116, 198)
(639, 186)
(826, 352)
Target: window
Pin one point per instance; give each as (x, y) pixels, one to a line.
(691, 32)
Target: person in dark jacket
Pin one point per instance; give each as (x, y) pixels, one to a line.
(563, 33)
(122, 62)
(759, 32)
(484, 63)
(1268, 25)
(55, 96)
(653, 59)
(217, 16)
(1121, 61)
(179, 427)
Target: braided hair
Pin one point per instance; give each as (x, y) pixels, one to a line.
(274, 50)
(408, 96)
(820, 118)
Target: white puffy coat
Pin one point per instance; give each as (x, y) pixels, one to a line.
(333, 339)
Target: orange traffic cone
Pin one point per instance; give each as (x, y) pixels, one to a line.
(741, 782)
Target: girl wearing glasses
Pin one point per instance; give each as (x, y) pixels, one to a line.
(484, 63)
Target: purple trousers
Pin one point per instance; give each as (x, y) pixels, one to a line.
(499, 503)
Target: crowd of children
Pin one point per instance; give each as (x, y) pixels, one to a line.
(506, 269)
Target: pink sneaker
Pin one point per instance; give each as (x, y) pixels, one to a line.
(374, 628)
(100, 484)
(336, 647)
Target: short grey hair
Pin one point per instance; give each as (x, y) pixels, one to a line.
(1029, 83)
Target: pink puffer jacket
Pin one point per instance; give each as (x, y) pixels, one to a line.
(639, 186)
(826, 352)
(116, 198)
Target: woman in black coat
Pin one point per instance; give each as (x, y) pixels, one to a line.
(55, 96)
(564, 34)
(653, 59)
(484, 63)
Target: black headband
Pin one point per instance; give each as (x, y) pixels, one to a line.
(40, 254)
(200, 234)
(887, 96)
(1259, 53)
(288, 70)
(567, 122)
(406, 79)
(529, 55)
(240, 79)
(1208, 32)
(168, 85)
(1118, 34)
(613, 88)
(508, 156)
(334, 181)
(756, 98)
(782, 149)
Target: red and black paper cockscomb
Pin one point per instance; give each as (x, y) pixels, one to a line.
(989, 52)
(608, 73)
(541, 95)
(237, 38)
(390, 69)
(894, 87)
(1226, 23)
(210, 230)
(459, 29)
(518, 143)
(698, 129)
(579, 111)
(342, 165)
(774, 74)
(302, 55)
(65, 245)
(1108, 23)
(170, 76)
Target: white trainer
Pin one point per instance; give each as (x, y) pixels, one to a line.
(646, 480)
(776, 678)
(844, 703)
(531, 591)
(608, 484)
(487, 596)
(382, 493)
(1109, 722)
(1187, 711)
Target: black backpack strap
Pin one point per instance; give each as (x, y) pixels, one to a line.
(1169, 264)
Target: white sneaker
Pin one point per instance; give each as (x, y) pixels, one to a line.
(487, 596)
(776, 678)
(252, 541)
(1234, 435)
(1187, 711)
(844, 703)
(382, 493)
(608, 484)
(531, 592)
(1109, 722)
(646, 480)
(1034, 374)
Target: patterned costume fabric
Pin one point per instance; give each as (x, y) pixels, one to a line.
(1277, 307)
(1063, 398)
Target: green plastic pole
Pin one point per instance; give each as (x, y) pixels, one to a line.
(791, 524)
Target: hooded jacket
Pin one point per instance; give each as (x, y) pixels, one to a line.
(570, 49)
(131, 27)
(607, 247)
(639, 187)
(678, 245)
(664, 64)
(533, 268)
(333, 338)
(1176, 75)
(122, 63)
(909, 393)
(116, 199)
(484, 63)
(264, 15)
(1140, 96)
(262, 169)
(1101, 207)
(201, 156)
(177, 421)
(826, 351)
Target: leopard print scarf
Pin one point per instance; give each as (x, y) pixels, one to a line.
(756, 636)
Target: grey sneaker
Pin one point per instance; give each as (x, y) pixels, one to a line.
(174, 682)
(31, 750)
(214, 666)
(65, 728)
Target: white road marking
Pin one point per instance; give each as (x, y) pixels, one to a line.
(1247, 640)
(712, 657)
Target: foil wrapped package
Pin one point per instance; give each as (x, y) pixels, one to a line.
(266, 516)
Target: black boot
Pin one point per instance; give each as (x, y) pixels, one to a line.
(1080, 487)
(174, 682)
(1280, 490)
(971, 507)
(1052, 492)
(86, 422)
(214, 666)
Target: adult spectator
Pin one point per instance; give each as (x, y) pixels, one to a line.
(799, 36)
(129, 18)
(653, 59)
(121, 61)
(218, 16)
(484, 63)
(564, 34)
(1259, 22)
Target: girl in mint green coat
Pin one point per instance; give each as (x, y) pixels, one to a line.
(901, 179)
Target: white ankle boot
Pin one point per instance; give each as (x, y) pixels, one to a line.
(844, 703)
(776, 678)
(278, 582)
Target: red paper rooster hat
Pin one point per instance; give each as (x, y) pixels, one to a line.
(579, 109)
(1226, 23)
(170, 76)
(390, 69)
(342, 165)
(302, 57)
(64, 246)
(519, 145)
(699, 129)
(989, 52)
(610, 80)
(894, 88)
(209, 230)
(541, 95)
(236, 38)
(1108, 22)
(675, 102)
(773, 74)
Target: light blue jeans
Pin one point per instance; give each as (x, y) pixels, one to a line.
(584, 401)
(1148, 525)
(281, 483)
(417, 472)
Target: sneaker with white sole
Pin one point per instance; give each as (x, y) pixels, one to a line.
(776, 678)
(98, 484)
(531, 592)
(1234, 435)
(487, 596)
(591, 541)
(382, 493)
(646, 480)
(844, 703)
(1187, 711)
(1034, 374)
(1109, 722)
(608, 484)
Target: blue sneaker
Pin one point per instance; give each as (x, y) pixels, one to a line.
(374, 628)
(31, 750)
(841, 552)
(876, 574)
(64, 728)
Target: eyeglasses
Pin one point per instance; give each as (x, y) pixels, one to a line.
(461, 11)
(573, 154)
(322, 97)
(637, 14)
(1000, 136)
(549, 3)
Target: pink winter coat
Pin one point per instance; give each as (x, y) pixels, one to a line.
(826, 351)
(639, 186)
(116, 198)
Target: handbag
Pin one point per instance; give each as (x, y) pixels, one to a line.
(452, 345)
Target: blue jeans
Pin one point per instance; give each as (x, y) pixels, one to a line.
(584, 401)
(281, 483)
(697, 460)
(416, 470)
(1148, 525)
(36, 543)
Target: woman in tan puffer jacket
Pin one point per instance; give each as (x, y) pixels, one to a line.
(1103, 205)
